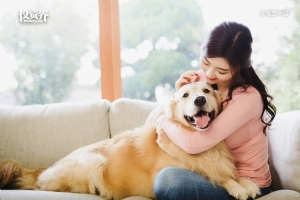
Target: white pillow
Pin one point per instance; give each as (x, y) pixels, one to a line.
(284, 151)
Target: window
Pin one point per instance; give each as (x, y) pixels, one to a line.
(161, 39)
(54, 60)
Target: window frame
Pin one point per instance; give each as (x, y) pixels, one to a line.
(110, 48)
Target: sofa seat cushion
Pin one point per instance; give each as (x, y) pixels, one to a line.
(46, 195)
(281, 195)
(126, 114)
(284, 151)
(39, 135)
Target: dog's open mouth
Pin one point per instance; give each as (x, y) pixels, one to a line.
(201, 119)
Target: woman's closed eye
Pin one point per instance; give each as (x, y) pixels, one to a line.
(205, 63)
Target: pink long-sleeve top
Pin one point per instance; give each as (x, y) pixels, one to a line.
(240, 126)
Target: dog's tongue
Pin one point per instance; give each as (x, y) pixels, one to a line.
(201, 121)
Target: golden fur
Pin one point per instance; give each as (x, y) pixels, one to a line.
(126, 165)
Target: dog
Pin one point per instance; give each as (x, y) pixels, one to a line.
(127, 164)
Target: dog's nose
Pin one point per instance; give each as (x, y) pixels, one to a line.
(200, 101)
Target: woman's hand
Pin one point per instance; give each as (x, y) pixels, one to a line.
(186, 78)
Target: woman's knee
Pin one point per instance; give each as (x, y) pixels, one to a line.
(175, 183)
(166, 181)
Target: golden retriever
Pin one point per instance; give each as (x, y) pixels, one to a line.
(126, 165)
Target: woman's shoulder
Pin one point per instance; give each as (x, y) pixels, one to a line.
(248, 91)
(248, 96)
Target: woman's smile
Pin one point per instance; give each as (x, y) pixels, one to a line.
(211, 79)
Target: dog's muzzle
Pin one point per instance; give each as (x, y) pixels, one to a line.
(200, 101)
(202, 119)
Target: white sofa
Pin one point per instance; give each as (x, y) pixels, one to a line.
(39, 135)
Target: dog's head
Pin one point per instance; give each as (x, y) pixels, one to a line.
(194, 105)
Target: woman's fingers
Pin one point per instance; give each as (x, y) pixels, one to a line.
(186, 78)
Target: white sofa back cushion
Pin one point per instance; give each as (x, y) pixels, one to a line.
(284, 151)
(126, 114)
(45, 133)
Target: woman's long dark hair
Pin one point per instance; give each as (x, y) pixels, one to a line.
(232, 41)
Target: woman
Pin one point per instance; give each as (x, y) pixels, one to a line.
(247, 112)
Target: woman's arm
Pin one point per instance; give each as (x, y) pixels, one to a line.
(154, 115)
(241, 109)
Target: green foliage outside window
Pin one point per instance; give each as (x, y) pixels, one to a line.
(283, 77)
(173, 29)
(48, 53)
(163, 38)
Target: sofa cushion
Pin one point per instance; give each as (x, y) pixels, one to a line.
(39, 135)
(284, 151)
(281, 195)
(126, 114)
(47, 195)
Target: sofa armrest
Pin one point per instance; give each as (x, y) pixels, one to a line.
(284, 151)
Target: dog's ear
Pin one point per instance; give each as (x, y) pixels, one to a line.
(218, 96)
(169, 108)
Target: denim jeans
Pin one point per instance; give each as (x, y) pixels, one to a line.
(174, 183)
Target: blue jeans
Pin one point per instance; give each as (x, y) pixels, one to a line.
(174, 183)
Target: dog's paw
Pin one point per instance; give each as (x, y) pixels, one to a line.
(164, 142)
(235, 189)
(239, 193)
(251, 188)
(158, 130)
(162, 139)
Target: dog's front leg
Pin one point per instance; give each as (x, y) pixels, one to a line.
(190, 161)
(168, 146)
(164, 142)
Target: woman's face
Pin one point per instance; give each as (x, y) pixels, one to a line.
(217, 71)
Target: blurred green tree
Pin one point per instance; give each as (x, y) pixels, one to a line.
(168, 33)
(283, 79)
(48, 53)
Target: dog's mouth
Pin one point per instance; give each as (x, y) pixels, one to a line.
(201, 119)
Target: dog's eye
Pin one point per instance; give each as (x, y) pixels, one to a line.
(206, 91)
(185, 95)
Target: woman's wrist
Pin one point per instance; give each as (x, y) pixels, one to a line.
(160, 121)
